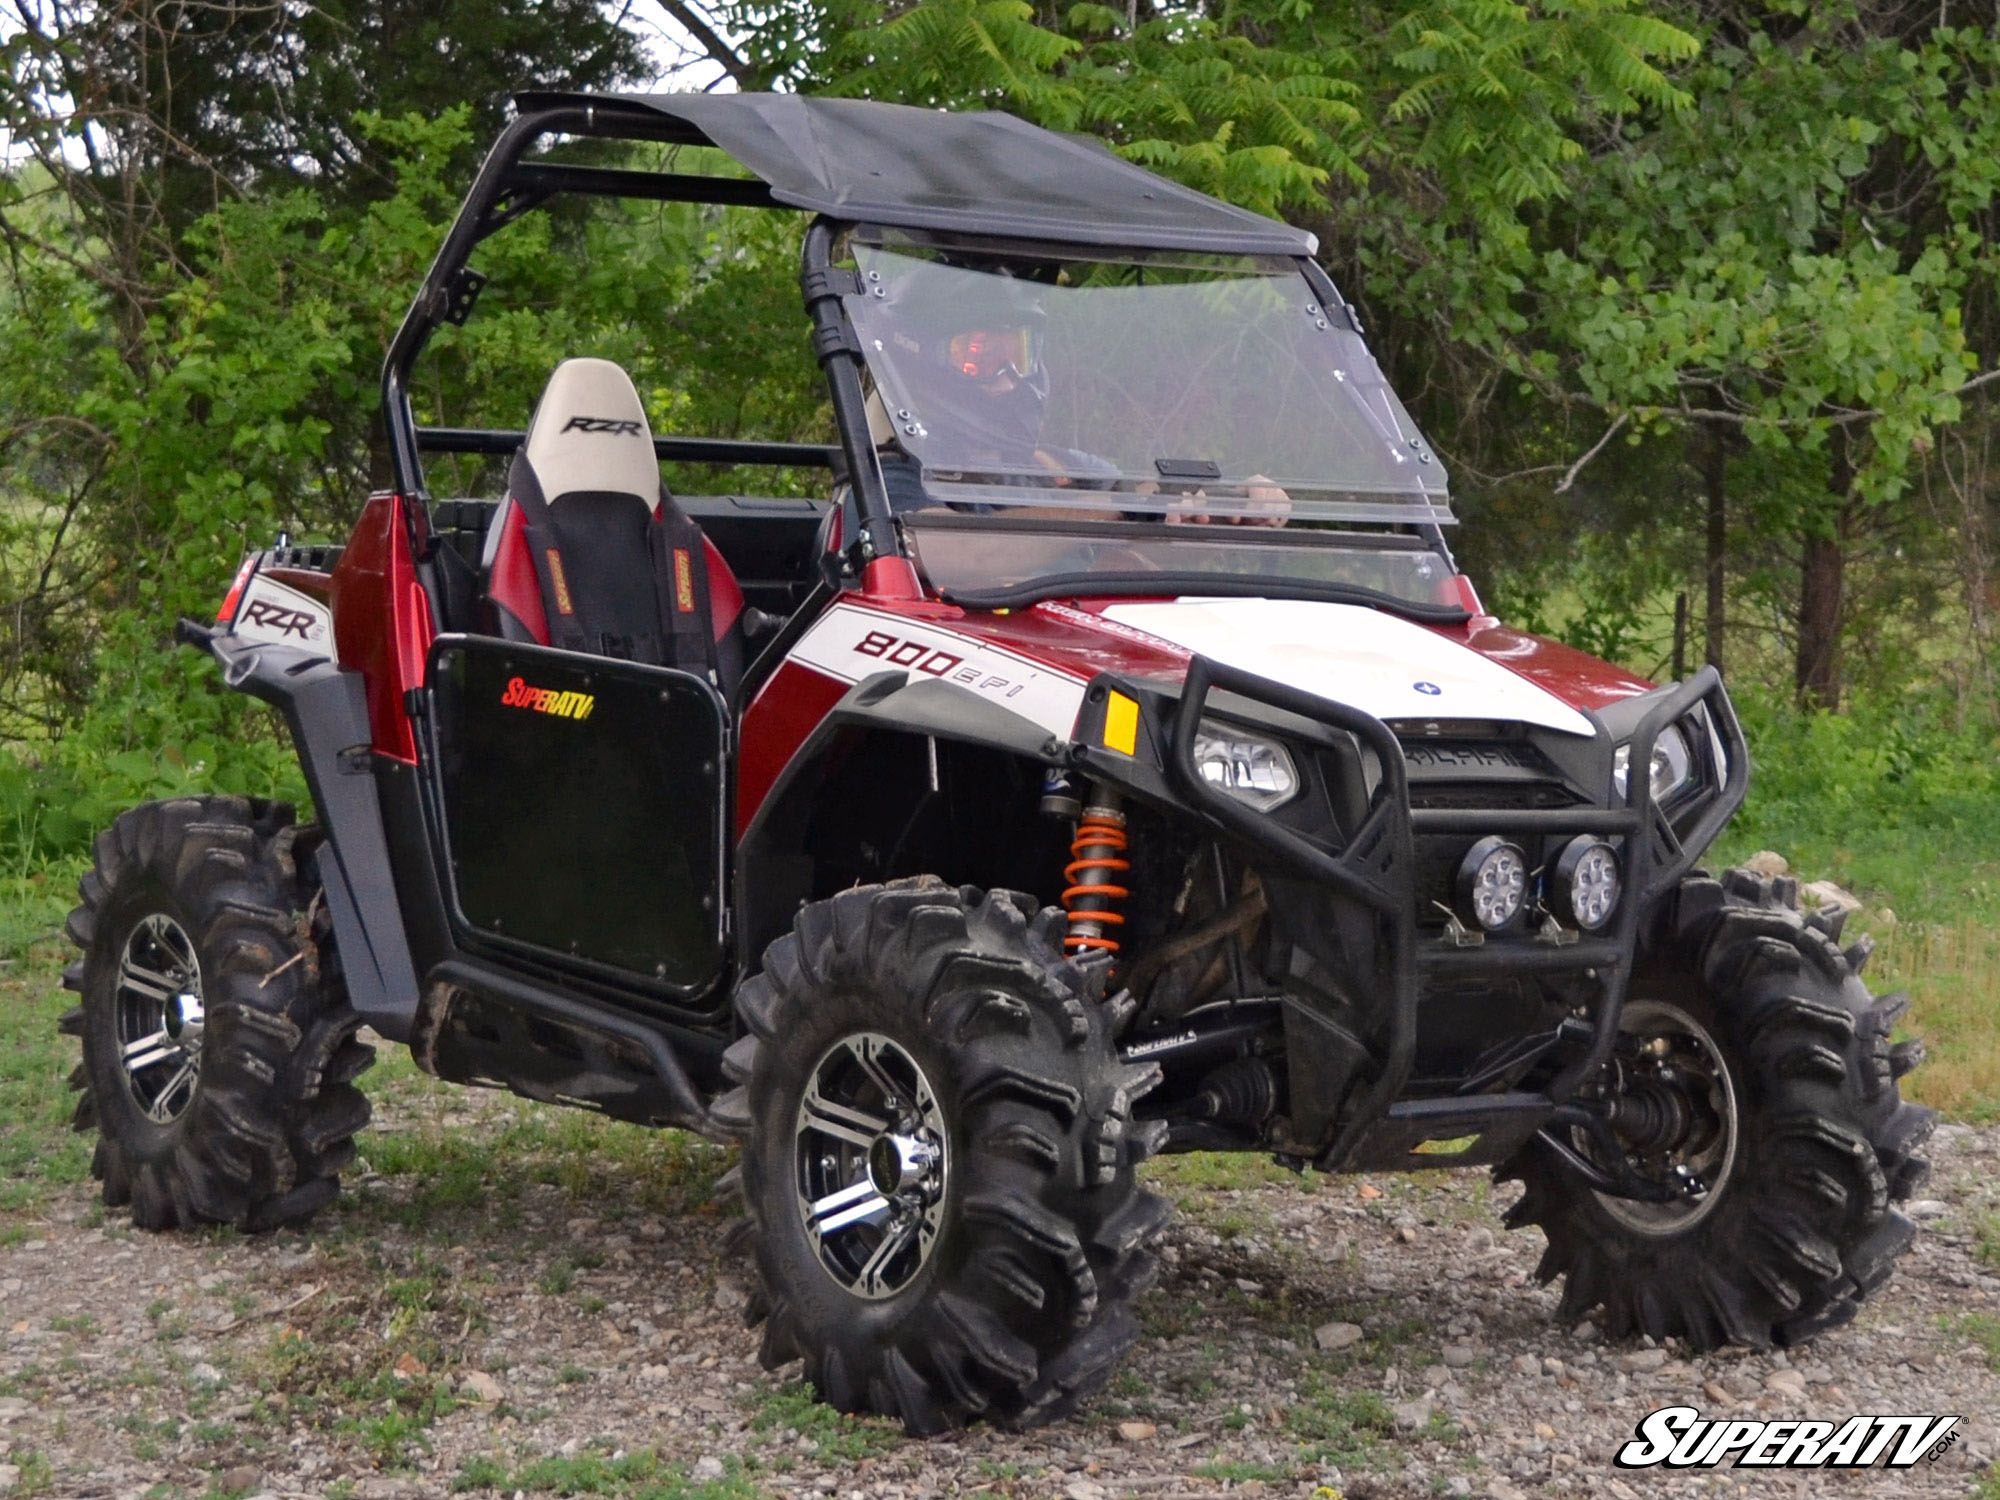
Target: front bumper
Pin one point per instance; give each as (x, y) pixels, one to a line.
(1375, 870)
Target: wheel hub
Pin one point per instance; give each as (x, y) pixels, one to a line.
(872, 1160)
(1651, 1116)
(185, 1020)
(897, 1163)
(1672, 1110)
(157, 1005)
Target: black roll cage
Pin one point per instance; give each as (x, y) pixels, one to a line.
(507, 187)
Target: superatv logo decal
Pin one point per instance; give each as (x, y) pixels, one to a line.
(271, 611)
(851, 642)
(609, 426)
(1680, 1437)
(564, 705)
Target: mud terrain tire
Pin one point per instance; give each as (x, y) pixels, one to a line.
(258, 1136)
(1022, 1306)
(1805, 1227)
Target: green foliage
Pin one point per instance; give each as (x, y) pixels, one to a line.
(162, 725)
(1894, 798)
(243, 405)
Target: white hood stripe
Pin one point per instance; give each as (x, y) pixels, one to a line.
(1350, 654)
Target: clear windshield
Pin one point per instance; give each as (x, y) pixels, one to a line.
(1189, 386)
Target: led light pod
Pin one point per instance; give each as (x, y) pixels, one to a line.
(1588, 881)
(1493, 884)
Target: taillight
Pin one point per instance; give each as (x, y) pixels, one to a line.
(227, 614)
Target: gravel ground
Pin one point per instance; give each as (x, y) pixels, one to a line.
(448, 1326)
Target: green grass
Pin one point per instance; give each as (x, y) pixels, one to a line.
(1986, 1242)
(1982, 1329)
(1334, 1424)
(1211, 1171)
(38, 1474)
(643, 1475)
(39, 1154)
(1241, 1471)
(1900, 805)
(838, 1438)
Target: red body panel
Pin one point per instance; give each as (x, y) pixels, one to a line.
(1073, 636)
(787, 708)
(511, 582)
(382, 620)
(1580, 680)
(308, 581)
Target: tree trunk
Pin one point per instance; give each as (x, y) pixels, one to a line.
(1822, 582)
(1716, 555)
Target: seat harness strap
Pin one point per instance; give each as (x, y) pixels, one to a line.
(680, 566)
(681, 636)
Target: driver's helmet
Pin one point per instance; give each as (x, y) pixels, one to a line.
(982, 336)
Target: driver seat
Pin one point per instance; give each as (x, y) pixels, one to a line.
(589, 552)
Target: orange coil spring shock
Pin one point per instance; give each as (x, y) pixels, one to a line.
(1093, 894)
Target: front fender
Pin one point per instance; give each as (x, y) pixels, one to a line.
(769, 878)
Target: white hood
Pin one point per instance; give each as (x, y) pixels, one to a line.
(1362, 657)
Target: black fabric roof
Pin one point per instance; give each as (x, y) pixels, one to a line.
(974, 172)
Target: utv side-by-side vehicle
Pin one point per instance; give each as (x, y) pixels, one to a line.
(1113, 761)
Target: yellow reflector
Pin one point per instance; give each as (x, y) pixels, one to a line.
(1121, 725)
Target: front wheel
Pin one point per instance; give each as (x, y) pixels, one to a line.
(938, 1158)
(1754, 1071)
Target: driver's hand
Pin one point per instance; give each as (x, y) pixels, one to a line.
(1264, 504)
(1269, 504)
(1054, 465)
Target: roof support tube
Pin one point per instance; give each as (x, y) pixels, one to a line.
(840, 356)
(466, 231)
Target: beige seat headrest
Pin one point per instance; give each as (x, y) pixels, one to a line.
(590, 433)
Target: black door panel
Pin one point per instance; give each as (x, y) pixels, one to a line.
(583, 803)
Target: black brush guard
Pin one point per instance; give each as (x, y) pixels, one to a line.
(1377, 1128)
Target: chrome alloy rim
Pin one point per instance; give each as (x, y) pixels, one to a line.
(873, 1159)
(1677, 1044)
(161, 1020)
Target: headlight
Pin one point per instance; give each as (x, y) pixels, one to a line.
(1246, 766)
(1673, 765)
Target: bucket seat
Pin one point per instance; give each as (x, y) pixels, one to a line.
(589, 552)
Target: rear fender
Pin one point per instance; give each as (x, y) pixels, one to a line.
(326, 707)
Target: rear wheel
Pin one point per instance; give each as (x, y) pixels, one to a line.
(938, 1159)
(219, 1053)
(1756, 1071)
